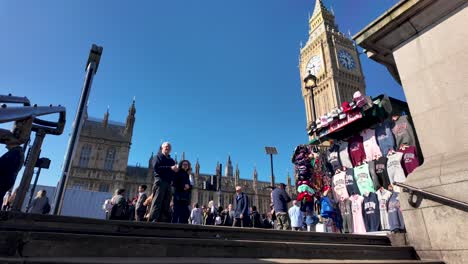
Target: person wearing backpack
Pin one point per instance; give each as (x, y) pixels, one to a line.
(40, 204)
(119, 209)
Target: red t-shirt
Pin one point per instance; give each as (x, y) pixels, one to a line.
(356, 150)
(410, 160)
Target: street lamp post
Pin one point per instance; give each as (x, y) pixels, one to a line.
(310, 82)
(42, 163)
(271, 151)
(91, 69)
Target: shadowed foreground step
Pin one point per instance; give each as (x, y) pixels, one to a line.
(202, 260)
(44, 244)
(14, 221)
(28, 238)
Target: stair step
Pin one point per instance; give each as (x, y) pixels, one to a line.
(44, 244)
(101, 260)
(15, 221)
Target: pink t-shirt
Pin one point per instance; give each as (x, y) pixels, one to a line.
(358, 221)
(371, 147)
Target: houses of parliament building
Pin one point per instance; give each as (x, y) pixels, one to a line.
(101, 164)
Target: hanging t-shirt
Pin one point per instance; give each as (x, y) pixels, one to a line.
(333, 158)
(326, 209)
(371, 212)
(339, 186)
(410, 159)
(358, 222)
(346, 216)
(403, 131)
(395, 217)
(363, 179)
(356, 150)
(351, 185)
(383, 196)
(375, 180)
(381, 172)
(371, 147)
(384, 135)
(394, 168)
(344, 154)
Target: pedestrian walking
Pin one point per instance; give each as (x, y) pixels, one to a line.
(182, 189)
(280, 203)
(219, 219)
(164, 171)
(211, 214)
(196, 216)
(140, 207)
(107, 207)
(147, 204)
(230, 215)
(131, 211)
(119, 209)
(255, 217)
(296, 216)
(6, 201)
(241, 205)
(40, 204)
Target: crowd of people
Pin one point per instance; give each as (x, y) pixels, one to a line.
(169, 201)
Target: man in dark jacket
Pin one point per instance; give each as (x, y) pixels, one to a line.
(280, 203)
(241, 209)
(164, 171)
(140, 208)
(230, 216)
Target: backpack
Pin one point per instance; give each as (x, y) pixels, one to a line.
(119, 210)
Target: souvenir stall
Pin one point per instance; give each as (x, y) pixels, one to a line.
(345, 175)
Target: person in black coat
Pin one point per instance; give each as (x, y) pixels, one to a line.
(10, 163)
(182, 191)
(241, 209)
(164, 172)
(255, 218)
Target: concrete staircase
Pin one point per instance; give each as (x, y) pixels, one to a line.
(27, 238)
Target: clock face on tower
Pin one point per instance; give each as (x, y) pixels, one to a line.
(346, 60)
(314, 65)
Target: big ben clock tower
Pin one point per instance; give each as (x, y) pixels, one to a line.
(333, 59)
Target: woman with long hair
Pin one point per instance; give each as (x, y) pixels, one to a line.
(182, 189)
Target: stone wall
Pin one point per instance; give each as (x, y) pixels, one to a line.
(433, 67)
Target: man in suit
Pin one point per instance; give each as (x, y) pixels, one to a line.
(241, 211)
(140, 209)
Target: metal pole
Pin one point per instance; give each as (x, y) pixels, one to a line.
(33, 189)
(313, 104)
(28, 170)
(272, 174)
(90, 71)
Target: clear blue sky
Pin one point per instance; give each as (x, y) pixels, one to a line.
(213, 77)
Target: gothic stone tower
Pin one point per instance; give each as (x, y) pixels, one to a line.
(333, 59)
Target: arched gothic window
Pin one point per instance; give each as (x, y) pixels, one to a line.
(110, 157)
(85, 155)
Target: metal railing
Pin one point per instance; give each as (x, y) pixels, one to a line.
(422, 194)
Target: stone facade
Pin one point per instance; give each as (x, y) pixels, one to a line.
(424, 45)
(101, 159)
(333, 58)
